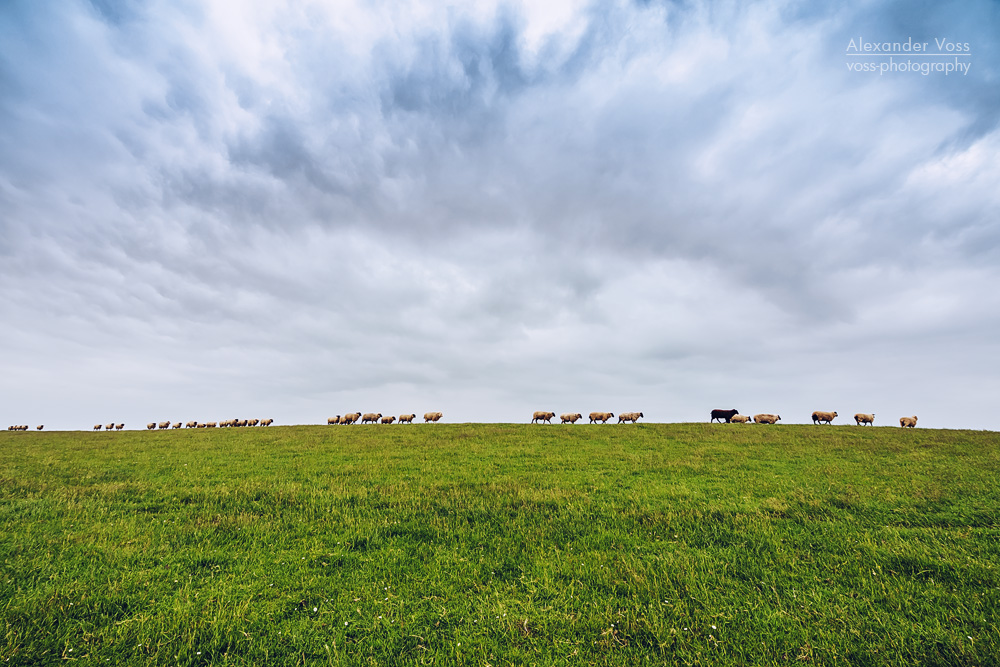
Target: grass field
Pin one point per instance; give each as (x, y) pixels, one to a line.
(476, 544)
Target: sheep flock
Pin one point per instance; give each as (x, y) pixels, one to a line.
(727, 416)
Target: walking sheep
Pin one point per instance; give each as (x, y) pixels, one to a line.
(861, 419)
(819, 417)
(542, 417)
(765, 418)
(602, 417)
(724, 415)
(571, 418)
(432, 416)
(407, 419)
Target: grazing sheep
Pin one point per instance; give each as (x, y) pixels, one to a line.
(371, 417)
(819, 417)
(330, 421)
(908, 422)
(765, 418)
(629, 417)
(151, 425)
(861, 418)
(602, 417)
(725, 415)
(388, 420)
(542, 417)
(570, 418)
(211, 424)
(407, 419)
(739, 419)
(432, 416)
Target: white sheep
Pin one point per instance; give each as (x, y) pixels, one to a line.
(863, 418)
(908, 422)
(407, 419)
(432, 416)
(602, 417)
(819, 417)
(542, 417)
(571, 418)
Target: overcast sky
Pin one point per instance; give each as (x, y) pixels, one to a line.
(214, 209)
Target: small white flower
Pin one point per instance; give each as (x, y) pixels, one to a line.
(315, 608)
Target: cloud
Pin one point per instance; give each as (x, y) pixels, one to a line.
(661, 204)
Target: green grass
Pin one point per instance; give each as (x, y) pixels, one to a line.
(476, 544)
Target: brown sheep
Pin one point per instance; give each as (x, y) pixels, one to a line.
(432, 416)
(542, 417)
(388, 420)
(570, 418)
(629, 417)
(407, 419)
(908, 422)
(370, 417)
(602, 417)
(819, 417)
(861, 419)
(765, 418)
(163, 425)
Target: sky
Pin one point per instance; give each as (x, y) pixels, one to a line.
(216, 209)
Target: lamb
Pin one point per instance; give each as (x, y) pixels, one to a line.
(629, 417)
(861, 418)
(570, 418)
(432, 416)
(407, 419)
(388, 420)
(765, 418)
(739, 419)
(371, 417)
(602, 417)
(726, 415)
(150, 426)
(542, 417)
(908, 422)
(819, 417)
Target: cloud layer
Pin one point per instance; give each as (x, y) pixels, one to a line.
(286, 209)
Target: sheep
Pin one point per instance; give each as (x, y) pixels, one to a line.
(570, 418)
(164, 425)
(40, 427)
(542, 417)
(407, 419)
(739, 419)
(254, 422)
(330, 421)
(110, 427)
(908, 422)
(602, 417)
(629, 417)
(371, 417)
(176, 425)
(819, 417)
(98, 427)
(211, 424)
(765, 418)
(388, 420)
(725, 415)
(267, 422)
(350, 418)
(119, 427)
(150, 426)
(432, 416)
(861, 419)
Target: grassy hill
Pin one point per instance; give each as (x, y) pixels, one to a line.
(476, 544)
